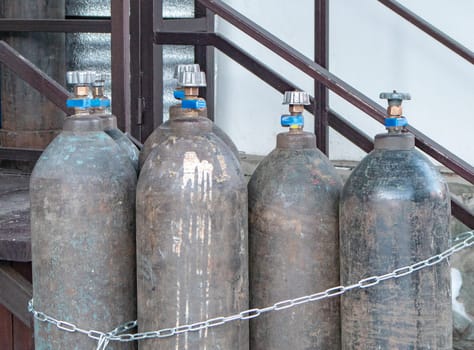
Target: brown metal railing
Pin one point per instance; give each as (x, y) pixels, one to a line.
(335, 84)
(279, 83)
(429, 29)
(323, 76)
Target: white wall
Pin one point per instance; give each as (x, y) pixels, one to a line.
(371, 48)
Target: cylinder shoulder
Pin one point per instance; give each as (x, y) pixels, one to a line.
(186, 158)
(291, 171)
(84, 155)
(388, 174)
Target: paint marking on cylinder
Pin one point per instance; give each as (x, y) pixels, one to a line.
(225, 176)
(204, 169)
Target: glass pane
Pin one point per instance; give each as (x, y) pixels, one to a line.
(178, 8)
(88, 8)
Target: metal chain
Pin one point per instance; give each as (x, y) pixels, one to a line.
(465, 240)
(101, 337)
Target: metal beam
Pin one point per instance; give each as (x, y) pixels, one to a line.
(321, 57)
(462, 213)
(15, 293)
(56, 25)
(120, 47)
(199, 24)
(31, 74)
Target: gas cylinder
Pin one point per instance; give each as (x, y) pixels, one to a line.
(183, 93)
(192, 260)
(294, 239)
(82, 231)
(100, 105)
(394, 212)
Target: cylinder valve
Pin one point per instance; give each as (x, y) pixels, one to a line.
(191, 82)
(179, 92)
(296, 101)
(81, 82)
(395, 122)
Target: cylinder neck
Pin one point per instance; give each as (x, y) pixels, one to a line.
(186, 125)
(296, 140)
(395, 141)
(81, 123)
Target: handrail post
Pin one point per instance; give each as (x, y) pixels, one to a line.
(121, 63)
(321, 57)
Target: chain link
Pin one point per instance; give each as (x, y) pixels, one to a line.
(464, 240)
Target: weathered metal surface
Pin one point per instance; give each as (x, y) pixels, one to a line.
(162, 132)
(24, 109)
(15, 242)
(82, 194)
(395, 211)
(109, 122)
(192, 260)
(293, 245)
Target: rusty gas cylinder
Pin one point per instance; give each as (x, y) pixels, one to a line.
(395, 211)
(82, 230)
(294, 239)
(192, 260)
(187, 90)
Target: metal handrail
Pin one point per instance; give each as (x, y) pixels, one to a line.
(334, 83)
(429, 29)
(279, 83)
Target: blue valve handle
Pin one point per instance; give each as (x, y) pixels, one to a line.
(292, 120)
(178, 94)
(78, 103)
(100, 102)
(193, 104)
(395, 122)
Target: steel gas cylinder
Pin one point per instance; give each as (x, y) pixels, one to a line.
(100, 105)
(395, 211)
(187, 91)
(294, 239)
(192, 238)
(82, 230)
